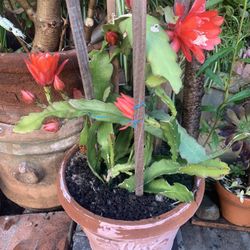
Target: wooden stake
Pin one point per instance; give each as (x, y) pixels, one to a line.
(76, 23)
(139, 11)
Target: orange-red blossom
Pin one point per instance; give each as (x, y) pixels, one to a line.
(44, 68)
(126, 105)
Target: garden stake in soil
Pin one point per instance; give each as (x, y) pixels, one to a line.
(75, 16)
(139, 45)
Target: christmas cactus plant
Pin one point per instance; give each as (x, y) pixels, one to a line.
(110, 120)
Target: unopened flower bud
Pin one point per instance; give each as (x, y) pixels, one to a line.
(52, 126)
(111, 37)
(58, 84)
(27, 96)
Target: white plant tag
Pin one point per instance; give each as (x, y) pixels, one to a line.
(9, 26)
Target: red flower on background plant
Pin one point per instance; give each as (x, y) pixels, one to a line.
(51, 126)
(111, 37)
(126, 105)
(27, 96)
(44, 67)
(129, 3)
(197, 31)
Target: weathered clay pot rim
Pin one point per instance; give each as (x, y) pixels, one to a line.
(233, 197)
(144, 223)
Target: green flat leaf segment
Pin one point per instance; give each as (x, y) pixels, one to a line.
(176, 191)
(159, 54)
(159, 168)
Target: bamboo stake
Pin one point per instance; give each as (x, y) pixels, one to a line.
(139, 47)
(75, 16)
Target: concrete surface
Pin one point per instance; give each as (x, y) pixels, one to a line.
(191, 237)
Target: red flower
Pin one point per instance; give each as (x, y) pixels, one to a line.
(51, 126)
(44, 67)
(129, 3)
(27, 96)
(111, 37)
(58, 84)
(197, 31)
(126, 105)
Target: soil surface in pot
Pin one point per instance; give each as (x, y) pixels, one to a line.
(115, 203)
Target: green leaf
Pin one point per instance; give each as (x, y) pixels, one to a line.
(166, 99)
(153, 81)
(34, 120)
(239, 96)
(176, 191)
(106, 138)
(159, 168)
(215, 57)
(190, 149)
(208, 108)
(214, 77)
(120, 168)
(245, 60)
(84, 134)
(92, 153)
(101, 71)
(211, 3)
(99, 110)
(171, 134)
(215, 169)
(158, 51)
(123, 143)
(148, 149)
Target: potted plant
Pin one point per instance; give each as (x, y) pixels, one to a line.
(233, 191)
(228, 127)
(17, 158)
(96, 185)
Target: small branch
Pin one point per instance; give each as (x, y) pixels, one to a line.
(64, 28)
(89, 21)
(28, 9)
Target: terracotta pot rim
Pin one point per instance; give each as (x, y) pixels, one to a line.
(221, 189)
(170, 215)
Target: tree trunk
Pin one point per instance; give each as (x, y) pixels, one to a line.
(48, 25)
(192, 96)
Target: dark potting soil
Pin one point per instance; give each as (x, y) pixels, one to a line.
(115, 203)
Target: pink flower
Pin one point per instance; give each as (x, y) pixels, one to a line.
(58, 84)
(197, 31)
(111, 37)
(44, 67)
(51, 126)
(126, 105)
(27, 96)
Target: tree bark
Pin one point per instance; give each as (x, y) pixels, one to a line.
(48, 23)
(192, 96)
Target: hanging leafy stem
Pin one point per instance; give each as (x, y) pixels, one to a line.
(108, 139)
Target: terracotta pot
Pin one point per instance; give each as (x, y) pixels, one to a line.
(29, 163)
(156, 233)
(232, 209)
(15, 76)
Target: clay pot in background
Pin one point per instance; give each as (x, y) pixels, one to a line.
(29, 163)
(232, 209)
(156, 233)
(15, 76)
